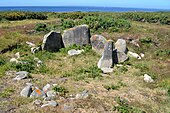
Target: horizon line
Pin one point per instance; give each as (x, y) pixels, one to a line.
(89, 6)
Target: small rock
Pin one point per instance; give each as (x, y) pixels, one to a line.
(50, 103)
(37, 102)
(47, 87)
(38, 93)
(142, 55)
(35, 49)
(74, 52)
(17, 55)
(26, 91)
(82, 95)
(21, 75)
(120, 45)
(39, 63)
(107, 70)
(36, 59)
(13, 60)
(135, 55)
(30, 44)
(147, 78)
(51, 94)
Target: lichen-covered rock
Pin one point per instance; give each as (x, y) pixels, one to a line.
(38, 93)
(79, 35)
(106, 60)
(52, 41)
(21, 75)
(98, 42)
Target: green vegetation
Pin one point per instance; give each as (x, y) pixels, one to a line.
(80, 72)
(19, 15)
(124, 107)
(59, 89)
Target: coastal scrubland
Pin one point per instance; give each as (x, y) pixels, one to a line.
(122, 91)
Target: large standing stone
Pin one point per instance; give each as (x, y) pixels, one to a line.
(98, 42)
(120, 45)
(119, 57)
(52, 41)
(106, 60)
(79, 35)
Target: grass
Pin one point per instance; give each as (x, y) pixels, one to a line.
(77, 73)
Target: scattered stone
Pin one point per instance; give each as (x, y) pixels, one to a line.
(37, 102)
(135, 55)
(47, 87)
(106, 60)
(82, 95)
(119, 57)
(147, 78)
(98, 42)
(26, 92)
(120, 45)
(39, 63)
(79, 35)
(134, 42)
(30, 44)
(21, 75)
(52, 41)
(36, 59)
(142, 55)
(51, 94)
(38, 93)
(35, 49)
(107, 70)
(50, 103)
(13, 60)
(17, 55)
(75, 52)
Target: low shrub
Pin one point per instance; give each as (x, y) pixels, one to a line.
(41, 27)
(59, 89)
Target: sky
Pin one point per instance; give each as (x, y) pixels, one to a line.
(156, 4)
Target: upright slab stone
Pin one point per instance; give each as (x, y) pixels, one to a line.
(120, 45)
(98, 42)
(79, 35)
(119, 57)
(52, 41)
(106, 60)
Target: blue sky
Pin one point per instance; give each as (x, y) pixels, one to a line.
(158, 4)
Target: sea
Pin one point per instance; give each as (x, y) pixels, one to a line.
(77, 8)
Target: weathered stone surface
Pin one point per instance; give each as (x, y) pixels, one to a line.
(35, 49)
(73, 52)
(52, 41)
(30, 44)
(38, 93)
(17, 55)
(82, 95)
(50, 103)
(37, 102)
(21, 75)
(107, 70)
(98, 42)
(147, 78)
(47, 87)
(119, 57)
(26, 91)
(106, 60)
(79, 35)
(120, 45)
(51, 94)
